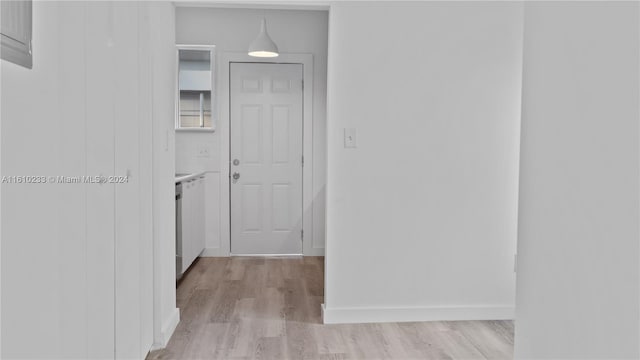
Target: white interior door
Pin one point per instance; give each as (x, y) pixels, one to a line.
(266, 158)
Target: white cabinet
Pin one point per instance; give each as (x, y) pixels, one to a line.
(193, 226)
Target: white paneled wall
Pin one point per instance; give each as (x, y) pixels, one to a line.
(166, 315)
(145, 177)
(99, 135)
(73, 160)
(30, 250)
(77, 265)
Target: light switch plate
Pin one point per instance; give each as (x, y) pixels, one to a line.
(350, 138)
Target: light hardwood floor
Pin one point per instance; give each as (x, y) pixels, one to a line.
(269, 308)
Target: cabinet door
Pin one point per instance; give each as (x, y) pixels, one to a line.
(196, 219)
(186, 211)
(16, 32)
(201, 218)
(187, 224)
(192, 228)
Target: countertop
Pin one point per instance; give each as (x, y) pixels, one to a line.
(185, 177)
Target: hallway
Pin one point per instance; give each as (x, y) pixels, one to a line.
(269, 308)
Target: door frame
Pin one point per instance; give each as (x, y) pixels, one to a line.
(223, 127)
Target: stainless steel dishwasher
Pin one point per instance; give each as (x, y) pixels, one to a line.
(178, 231)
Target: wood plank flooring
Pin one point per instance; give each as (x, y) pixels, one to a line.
(269, 308)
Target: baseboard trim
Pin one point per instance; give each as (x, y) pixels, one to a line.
(217, 252)
(408, 314)
(314, 252)
(168, 328)
(213, 252)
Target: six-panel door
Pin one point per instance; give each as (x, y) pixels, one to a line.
(266, 158)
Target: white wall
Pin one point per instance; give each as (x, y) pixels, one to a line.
(231, 30)
(578, 282)
(421, 217)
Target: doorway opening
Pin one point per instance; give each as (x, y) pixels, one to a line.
(267, 200)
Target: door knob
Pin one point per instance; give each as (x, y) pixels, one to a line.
(236, 162)
(236, 176)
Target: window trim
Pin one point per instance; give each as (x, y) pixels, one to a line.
(214, 104)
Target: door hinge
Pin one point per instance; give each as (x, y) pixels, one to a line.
(302, 161)
(515, 262)
(301, 234)
(302, 85)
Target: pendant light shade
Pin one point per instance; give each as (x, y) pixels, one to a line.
(263, 46)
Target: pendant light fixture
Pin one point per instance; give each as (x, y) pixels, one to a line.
(263, 46)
